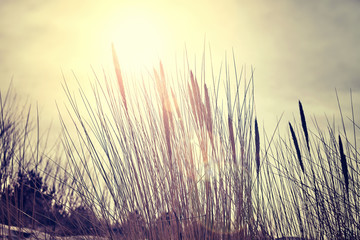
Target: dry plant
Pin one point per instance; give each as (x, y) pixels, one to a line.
(163, 159)
(321, 202)
(35, 189)
(168, 155)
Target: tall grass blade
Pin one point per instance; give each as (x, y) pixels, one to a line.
(119, 76)
(257, 147)
(197, 99)
(232, 139)
(297, 147)
(177, 109)
(209, 123)
(303, 124)
(344, 165)
(166, 114)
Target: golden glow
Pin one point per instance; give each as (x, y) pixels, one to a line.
(65, 36)
(138, 34)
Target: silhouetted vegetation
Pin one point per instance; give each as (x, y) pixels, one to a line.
(34, 192)
(171, 162)
(174, 163)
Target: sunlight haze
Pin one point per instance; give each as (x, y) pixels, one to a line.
(299, 50)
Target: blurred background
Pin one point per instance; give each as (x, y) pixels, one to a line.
(300, 50)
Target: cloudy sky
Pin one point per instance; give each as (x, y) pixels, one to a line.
(299, 49)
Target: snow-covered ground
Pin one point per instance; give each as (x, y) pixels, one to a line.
(30, 234)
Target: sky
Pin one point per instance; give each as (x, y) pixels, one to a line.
(300, 50)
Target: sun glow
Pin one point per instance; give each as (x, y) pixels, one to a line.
(139, 35)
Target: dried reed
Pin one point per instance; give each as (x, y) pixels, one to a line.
(303, 124)
(209, 121)
(344, 165)
(119, 76)
(232, 139)
(298, 153)
(257, 147)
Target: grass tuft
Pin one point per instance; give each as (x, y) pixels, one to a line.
(179, 166)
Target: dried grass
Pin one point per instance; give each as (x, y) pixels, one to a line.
(297, 148)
